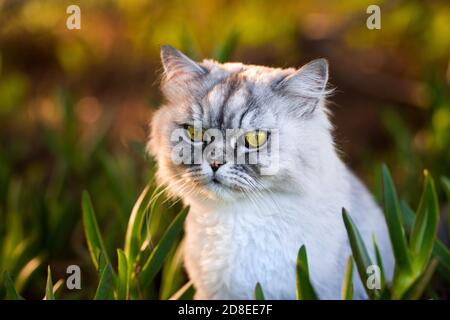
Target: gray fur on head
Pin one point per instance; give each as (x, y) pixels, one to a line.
(249, 97)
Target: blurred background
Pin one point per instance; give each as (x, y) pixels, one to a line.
(75, 104)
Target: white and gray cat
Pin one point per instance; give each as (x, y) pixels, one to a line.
(246, 227)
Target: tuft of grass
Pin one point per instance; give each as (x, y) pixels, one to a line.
(417, 253)
(162, 249)
(138, 262)
(137, 267)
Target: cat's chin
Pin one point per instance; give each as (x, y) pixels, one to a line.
(219, 191)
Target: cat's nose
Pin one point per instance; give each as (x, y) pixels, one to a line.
(215, 165)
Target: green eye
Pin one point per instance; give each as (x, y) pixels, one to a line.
(255, 139)
(195, 134)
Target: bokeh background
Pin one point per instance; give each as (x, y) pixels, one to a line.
(75, 104)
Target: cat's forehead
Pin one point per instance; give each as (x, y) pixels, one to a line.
(231, 103)
(237, 96)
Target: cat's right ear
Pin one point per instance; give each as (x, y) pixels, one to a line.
(309, 81)
(308, 84)
(177, 64)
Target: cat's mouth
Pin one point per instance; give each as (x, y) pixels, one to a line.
(215, 183)
(220, 188)
(218, 184)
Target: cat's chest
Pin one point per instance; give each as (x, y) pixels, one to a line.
(231, 249)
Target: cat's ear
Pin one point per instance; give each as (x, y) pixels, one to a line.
(177, 64)
(310, 81)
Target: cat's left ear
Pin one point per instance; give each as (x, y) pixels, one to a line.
(177, 64)
(310, 81)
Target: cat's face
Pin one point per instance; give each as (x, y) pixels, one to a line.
(232, 130)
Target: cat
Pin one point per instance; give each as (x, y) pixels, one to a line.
(244, 226)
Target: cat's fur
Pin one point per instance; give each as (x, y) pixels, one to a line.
(236, 237)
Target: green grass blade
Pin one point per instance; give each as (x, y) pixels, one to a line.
(259, 294)
(188, 44)
(172, 273)
(359, 250)
(408, 215)
(186, 292)
(105, 289)
(425, 225)
(393, 218)
(49, 295)
(57, 286)
(347, 285)
(305, 290)
(91, 230)
(132, 237)
(124, 275)
(441, 252)
(159, 254)
(152, 220)
(11, 293)
(225, 49)
(418, 288)
(27, 271)
(446, 184)
(379, 262)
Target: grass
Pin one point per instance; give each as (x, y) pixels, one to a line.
(137, 263)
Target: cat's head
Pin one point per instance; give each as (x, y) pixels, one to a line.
(232, 130)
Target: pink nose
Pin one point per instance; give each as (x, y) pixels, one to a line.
(215, 165)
